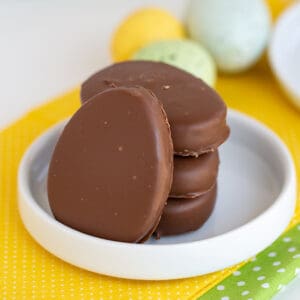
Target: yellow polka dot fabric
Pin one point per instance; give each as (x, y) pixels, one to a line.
(27, 271)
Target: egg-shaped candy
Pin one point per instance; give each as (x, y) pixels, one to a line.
(183, 54)
(142, 27)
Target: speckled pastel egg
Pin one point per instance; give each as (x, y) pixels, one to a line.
(234, 31)
(141, 28)
(183, 54)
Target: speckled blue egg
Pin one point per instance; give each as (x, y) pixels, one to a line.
(234, 31)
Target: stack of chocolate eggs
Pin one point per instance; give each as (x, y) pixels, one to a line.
(162, 173)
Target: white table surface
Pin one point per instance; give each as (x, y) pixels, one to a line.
(48, 47)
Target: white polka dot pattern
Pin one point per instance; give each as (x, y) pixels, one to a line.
(265, 275)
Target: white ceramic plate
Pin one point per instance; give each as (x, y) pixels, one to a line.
(284, 52)
(255, 203)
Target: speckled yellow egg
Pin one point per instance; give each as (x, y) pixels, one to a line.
(142, 27)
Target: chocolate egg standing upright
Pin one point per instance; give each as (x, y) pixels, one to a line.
(111, 170)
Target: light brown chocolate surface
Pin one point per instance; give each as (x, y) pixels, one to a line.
(194, 176)
(196, 113)
(181, 216)
(112, 168)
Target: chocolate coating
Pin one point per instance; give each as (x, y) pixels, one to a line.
(194, 176)
(182, 216)
(196, 113)
(112, 168)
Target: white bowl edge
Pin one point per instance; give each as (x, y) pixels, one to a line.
(161, 262)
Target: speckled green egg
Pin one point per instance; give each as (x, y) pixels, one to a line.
(183, 54)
